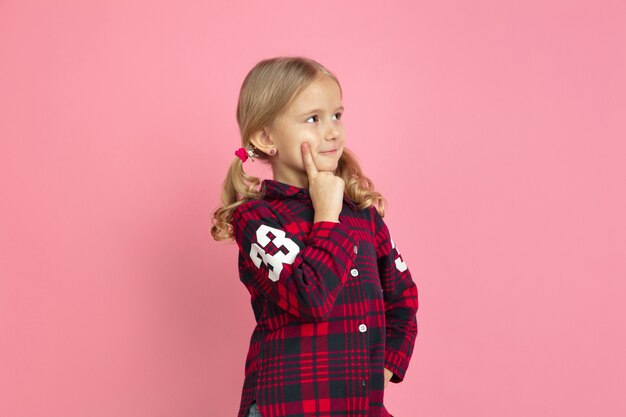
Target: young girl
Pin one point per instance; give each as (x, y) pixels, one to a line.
(334, 302)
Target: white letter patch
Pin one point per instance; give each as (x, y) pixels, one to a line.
(258, 254)
(400, 265)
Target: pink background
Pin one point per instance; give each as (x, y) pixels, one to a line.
(495, 130)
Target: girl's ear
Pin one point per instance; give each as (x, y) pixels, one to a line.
(262, 141)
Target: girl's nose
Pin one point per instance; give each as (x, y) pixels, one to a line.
(332, 132)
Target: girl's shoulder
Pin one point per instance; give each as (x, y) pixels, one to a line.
(250, 205)
(257, 208)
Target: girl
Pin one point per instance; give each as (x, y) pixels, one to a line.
(334, 302)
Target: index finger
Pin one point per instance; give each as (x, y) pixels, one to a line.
(309, 164)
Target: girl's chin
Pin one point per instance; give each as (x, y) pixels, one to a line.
(327, 165)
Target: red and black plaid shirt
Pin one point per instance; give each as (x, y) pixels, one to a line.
(334, 303)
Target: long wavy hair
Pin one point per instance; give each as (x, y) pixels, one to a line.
(267, 91)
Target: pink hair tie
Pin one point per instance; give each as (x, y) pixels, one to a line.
(242, 154)
(245, 153)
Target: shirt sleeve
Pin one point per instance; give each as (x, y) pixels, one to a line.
(302, 278)
(401, 304)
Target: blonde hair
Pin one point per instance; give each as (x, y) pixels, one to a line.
(266, 92)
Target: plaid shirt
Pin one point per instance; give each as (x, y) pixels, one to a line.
(334, 303)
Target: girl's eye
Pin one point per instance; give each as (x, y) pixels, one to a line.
(316, 117)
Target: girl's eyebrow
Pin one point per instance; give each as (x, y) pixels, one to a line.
(340, 108)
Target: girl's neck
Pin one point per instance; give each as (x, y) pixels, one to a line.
(300, 181)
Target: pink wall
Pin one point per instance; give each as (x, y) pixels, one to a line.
(495, 130)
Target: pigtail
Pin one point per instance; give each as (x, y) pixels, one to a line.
(358, 186)
(237, 188)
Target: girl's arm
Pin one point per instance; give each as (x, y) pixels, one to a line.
(400, 294)
(301, 279)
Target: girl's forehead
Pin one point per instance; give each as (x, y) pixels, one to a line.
(319, 94)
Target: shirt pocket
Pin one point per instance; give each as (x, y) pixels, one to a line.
(367, 270)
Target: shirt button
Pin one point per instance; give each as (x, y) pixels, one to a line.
(356, 249)
(362, 328)
(354, 272)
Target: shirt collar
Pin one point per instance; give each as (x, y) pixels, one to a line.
(280, 190)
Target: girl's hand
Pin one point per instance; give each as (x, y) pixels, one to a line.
(388, 375)
(325, 188)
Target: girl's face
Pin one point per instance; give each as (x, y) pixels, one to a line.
(314, 117)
